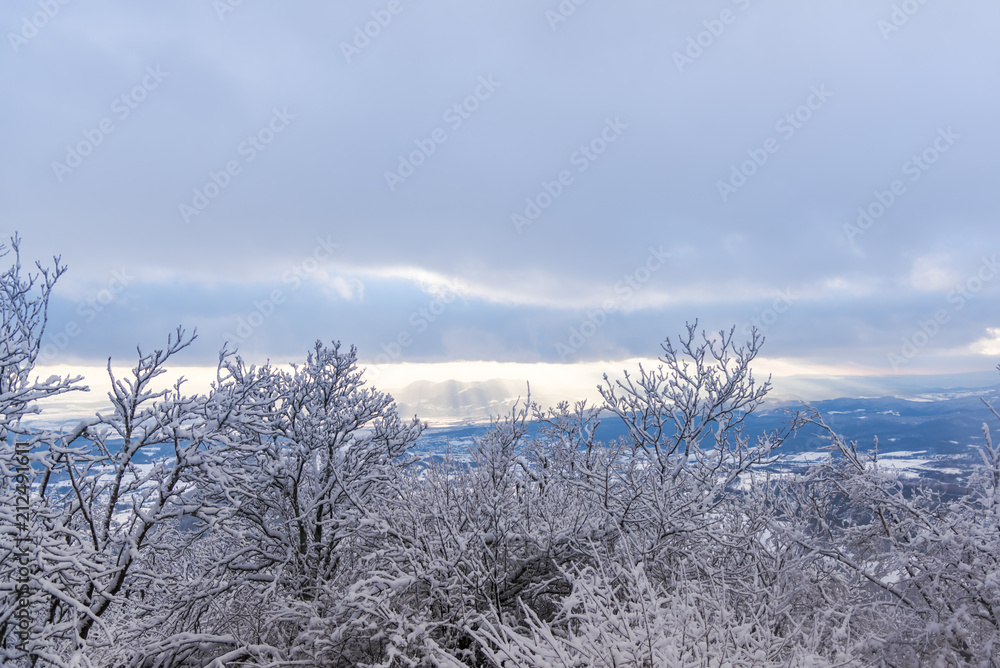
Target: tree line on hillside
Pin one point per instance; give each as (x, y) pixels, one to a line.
(280, 520)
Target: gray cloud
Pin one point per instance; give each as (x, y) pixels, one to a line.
(689, 125)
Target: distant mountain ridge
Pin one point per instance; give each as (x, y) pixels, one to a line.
(932, 435)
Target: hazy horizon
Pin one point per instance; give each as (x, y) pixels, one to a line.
(511, 385)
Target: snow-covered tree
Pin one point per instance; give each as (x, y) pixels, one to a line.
(24, 300)
(911, 577)
(500, 543)
(282, 508)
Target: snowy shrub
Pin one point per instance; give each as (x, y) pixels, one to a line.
(280, 520)
(913, 579)
(616, 616)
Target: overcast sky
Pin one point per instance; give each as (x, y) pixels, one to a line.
(519, 181)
